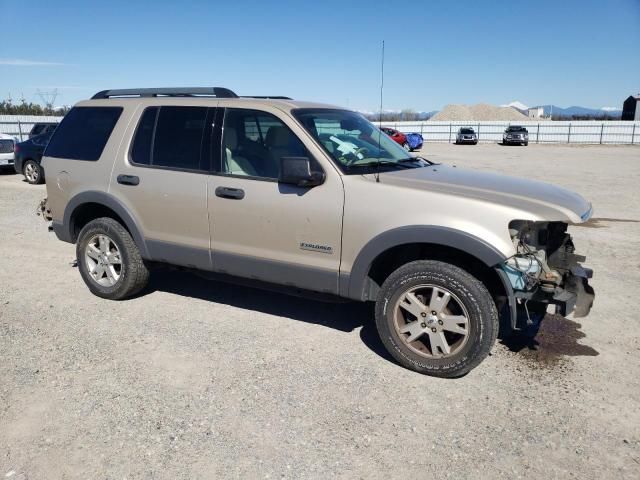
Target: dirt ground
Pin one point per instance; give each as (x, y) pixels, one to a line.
(198, 379)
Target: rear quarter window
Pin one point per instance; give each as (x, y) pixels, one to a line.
(83, 133)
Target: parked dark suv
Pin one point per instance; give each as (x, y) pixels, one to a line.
(42, 128)
(27, 157)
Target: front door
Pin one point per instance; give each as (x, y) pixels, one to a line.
(266, 230)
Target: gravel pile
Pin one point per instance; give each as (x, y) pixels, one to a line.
(479, 112)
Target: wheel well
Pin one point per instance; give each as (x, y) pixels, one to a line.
(86, 212)
(390, 260)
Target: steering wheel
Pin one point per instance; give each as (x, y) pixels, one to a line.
(354, 156)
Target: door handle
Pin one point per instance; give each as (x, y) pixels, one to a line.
(128, 180)
(232, 193)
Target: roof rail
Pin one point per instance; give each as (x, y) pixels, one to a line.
(267, 97)
(219, 92)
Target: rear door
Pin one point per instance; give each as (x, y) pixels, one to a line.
(162, 179)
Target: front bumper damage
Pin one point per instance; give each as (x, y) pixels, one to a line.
(545, 271)
(575, 296)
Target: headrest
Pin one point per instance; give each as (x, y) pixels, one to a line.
(278, 136)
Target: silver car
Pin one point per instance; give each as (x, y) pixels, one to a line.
(515, 134)
(466, 135)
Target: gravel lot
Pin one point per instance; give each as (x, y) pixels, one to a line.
(198, 379)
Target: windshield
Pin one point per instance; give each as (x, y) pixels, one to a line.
(466, 130)
(353, 142)
(516, 129)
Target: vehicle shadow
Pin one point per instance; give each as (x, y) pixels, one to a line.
(345, 316)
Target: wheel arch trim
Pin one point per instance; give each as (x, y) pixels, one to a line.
(355, 284)
(65, 230)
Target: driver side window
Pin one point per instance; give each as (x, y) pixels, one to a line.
(253, 143)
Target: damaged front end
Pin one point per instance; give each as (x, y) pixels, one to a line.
(546, 271)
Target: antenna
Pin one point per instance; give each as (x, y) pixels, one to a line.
(380, 116)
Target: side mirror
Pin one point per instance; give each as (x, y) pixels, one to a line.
(297, 171)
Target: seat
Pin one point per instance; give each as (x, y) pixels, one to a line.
(279, 144)
(235, 164)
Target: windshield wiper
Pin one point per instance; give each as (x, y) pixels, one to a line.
(382, 163)
(418, 159)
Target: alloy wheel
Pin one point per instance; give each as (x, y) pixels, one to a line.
(31, 172)
(431, 321)
(103, 260)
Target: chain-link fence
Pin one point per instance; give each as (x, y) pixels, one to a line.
(579, 132)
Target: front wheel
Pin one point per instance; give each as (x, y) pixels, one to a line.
(109, 260)
(436, 319)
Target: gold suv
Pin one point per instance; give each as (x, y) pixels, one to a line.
(315, 197)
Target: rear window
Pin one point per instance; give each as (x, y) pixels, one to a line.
(83, 133)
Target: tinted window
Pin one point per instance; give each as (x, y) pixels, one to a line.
(83, 133)
(141, 149)
(178, 137)
(172, 137)
(254, 142)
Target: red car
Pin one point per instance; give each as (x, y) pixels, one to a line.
(399, 137)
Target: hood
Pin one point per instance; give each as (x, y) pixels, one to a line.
(542, 200)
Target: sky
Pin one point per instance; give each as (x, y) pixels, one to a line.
(561, 52)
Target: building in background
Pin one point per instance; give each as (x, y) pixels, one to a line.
(536, 112)
(631, 108)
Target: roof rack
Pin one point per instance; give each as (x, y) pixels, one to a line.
(268, 97)
(219, 92)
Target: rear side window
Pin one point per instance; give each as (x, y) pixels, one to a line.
(171, 137)
(83, 133)
(141, 149)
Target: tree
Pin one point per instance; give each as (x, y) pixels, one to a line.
(28, 108)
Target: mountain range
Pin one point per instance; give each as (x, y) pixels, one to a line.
(569, 111)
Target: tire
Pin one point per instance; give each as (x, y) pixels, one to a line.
(471, 300)
(33, 172)
(526, 144)
(132, 274)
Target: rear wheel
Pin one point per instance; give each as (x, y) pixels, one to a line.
(33, 172)
(436, 319)
(109, 260)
